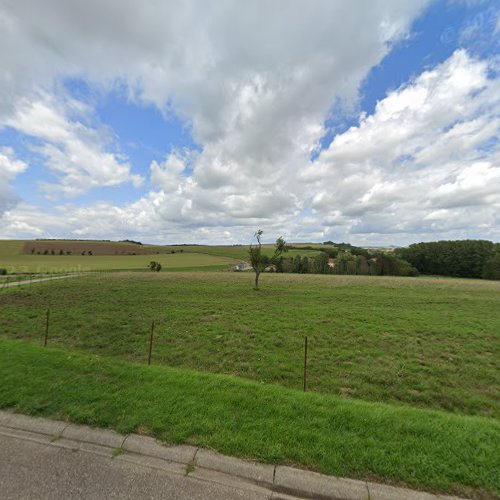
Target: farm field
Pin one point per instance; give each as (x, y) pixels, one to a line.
(235, 252)
(16, 256)
(424, 342)
(23, 263)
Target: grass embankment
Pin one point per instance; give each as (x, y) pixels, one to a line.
(431, 343)
(424, 449)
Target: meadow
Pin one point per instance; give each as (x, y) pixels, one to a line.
(424, 342)
(16, 256)
(40, 264)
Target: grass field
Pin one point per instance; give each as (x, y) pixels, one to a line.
(23, 263)
(429, 343)
(9, 248)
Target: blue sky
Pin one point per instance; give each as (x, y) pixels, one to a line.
(375, 123)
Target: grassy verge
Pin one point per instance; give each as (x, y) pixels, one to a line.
(420, 448)
(432, 343)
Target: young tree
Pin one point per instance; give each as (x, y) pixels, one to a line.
(258, 261)
(155, 266)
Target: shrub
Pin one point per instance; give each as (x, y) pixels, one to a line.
(154, 266)
(3, 271)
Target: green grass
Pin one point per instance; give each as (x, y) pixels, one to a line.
(427, 342)
(23, 263)
(402, 445)
(9, 248)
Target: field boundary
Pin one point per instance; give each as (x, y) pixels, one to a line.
(197, 461)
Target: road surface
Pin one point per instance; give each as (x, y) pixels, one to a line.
(35, 470)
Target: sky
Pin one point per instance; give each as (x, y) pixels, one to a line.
(374, 122)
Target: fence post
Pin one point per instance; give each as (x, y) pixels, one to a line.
(151, 341)
(46, 328)
(305, 365)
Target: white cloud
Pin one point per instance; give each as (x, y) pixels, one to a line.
(254, 81)
(75, 153)
(427, 161)
(10, 167)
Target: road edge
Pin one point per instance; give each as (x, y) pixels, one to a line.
(197, 462)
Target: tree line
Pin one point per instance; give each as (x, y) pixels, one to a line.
(345, 262)
(460, 258)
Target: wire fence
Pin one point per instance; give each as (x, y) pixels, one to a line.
(150, 348)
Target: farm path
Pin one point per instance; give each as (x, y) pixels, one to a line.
(37, 280)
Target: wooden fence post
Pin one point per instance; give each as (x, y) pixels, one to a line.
(46, 328)
(151, 341)
(305, 365)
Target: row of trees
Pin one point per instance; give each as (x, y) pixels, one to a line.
(380, 264)
(61, 252)
(461, 258)
(346, 258)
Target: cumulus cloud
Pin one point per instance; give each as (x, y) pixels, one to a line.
(426, 161)
(255, 82)
(10, 167)
(72, 151)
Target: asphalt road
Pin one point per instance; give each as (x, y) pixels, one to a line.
(33, 470)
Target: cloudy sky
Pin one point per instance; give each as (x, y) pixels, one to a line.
(369, 121)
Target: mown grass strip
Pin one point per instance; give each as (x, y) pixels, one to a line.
(420, 448)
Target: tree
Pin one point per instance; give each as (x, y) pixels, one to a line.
(320, 264)
(258, 261)
(491, 269)
(154, 266)
(462, 258)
